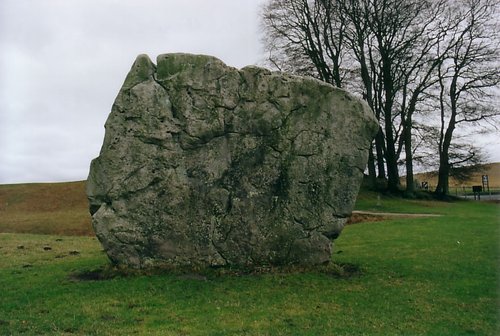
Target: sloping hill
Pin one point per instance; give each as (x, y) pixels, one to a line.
(45, 208)
(490, 169)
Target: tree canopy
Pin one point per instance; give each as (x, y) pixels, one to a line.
(420, 64)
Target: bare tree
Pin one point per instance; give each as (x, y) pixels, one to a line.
(407, 36)
(465, 158)
(360, 41)
(465, 161)
(305, 37)
(393, 53)
(468, 79)
(390, 40)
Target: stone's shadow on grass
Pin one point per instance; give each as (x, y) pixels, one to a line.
(336, 270)
(92, 275)
(348, 270)
(86, 276)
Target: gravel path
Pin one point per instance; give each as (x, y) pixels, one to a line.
(394, 214)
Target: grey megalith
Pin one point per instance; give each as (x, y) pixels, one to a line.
(205, 165)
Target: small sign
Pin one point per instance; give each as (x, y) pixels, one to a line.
(486, 184)
(425, 185)
(477, 189)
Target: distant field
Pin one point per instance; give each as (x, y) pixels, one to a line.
(490, 169)
(45, 208)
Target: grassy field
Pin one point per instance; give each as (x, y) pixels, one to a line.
(45, 208)
(404, 276)
(490, 169)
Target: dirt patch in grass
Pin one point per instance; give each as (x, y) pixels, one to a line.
(364, 217)
(367, 216)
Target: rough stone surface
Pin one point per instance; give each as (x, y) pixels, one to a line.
(204, 164)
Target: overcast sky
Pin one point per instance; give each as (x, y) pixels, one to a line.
(62, 63)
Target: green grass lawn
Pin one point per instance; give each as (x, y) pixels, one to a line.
(415, 276)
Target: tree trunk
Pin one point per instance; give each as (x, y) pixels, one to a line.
(372, 174)
(391, 157)
(407, 128)
(379, 147)
(410, 183)
(390, 152)
(443, 187)
(392, 165)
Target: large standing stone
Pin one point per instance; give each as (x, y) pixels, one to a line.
(203, 164)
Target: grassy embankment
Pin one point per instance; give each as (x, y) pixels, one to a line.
(465, 187)
(410, 276)
(45, 208)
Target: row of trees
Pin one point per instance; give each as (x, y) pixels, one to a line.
(427, 68)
